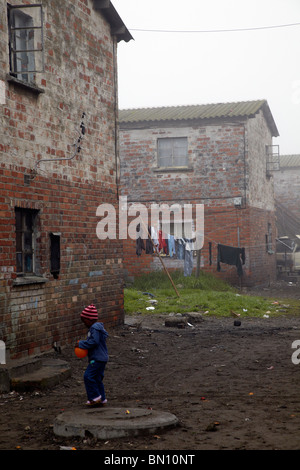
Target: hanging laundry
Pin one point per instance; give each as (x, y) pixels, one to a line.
(189, 243)
(171, 245)
(188, 263)
(154, 236)
(180, 249)
(149, 245)
(163, 246)
(231, 255)
(140, 246)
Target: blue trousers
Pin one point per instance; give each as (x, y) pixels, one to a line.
(188, 263)
(93, 380)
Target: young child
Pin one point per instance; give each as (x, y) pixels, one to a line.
(97, 356)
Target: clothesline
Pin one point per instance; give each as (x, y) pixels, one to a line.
(244, 246)
(165, 244)
(218, 242)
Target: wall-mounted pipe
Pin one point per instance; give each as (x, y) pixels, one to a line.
(77, 150)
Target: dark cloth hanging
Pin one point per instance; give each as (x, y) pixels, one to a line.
(149, 245)
(231, 255)
(140, 246)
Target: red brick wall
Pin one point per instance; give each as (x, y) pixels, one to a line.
(216, 164)
(35, 315)
(246, 228)
(79, 76)
(226, 160)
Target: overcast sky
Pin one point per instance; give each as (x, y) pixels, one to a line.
(182, 68)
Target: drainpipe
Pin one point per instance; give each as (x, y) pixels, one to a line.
(245, 166)
(116, 112)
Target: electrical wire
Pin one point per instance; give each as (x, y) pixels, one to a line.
(205, 31)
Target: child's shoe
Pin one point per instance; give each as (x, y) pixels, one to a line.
(95, 402)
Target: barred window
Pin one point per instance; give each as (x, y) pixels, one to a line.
(26, 43)
(25, 240)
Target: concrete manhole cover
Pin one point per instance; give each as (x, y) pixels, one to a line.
(108, 423)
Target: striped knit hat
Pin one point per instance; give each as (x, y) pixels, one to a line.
(90, 313)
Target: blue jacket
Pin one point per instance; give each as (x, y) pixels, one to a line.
(96, 343)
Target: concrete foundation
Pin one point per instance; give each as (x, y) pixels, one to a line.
(109, 423)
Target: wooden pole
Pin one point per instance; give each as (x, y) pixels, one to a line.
(198, 263)
(155, 250)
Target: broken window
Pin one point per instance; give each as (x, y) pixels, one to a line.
(172, 152)
(25, 240)
(25, 23)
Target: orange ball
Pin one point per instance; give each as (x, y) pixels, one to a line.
(81, 352)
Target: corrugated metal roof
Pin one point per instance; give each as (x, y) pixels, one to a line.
(289, 160)
(202, 111)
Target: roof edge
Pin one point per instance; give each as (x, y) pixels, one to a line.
(151, 115)
(117, 25)
(270, 120)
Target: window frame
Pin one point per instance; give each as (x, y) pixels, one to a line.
(269, 240)
(24, 248)
(172, 155)
(28, 76)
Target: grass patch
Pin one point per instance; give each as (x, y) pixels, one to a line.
(203, 294)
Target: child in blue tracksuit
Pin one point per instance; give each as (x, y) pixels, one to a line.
(97, 356)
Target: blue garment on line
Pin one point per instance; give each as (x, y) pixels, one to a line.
(171, 245)
(180, 249)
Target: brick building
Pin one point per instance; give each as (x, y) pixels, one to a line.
(58, 163)
(287, 183)
(219, 155)
(287, 193)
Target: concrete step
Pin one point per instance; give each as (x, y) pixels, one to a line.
(34, 374)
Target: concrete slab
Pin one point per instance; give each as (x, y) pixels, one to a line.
(109, 423)
(48, 374)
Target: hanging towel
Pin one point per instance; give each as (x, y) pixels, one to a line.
(231, 255)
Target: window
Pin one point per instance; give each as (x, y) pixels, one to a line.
(172, 152)
(55, 254)
(25, 24)
(269, 240)
(25, 240)
(273, 158)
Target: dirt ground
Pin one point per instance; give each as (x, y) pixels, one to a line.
(231, 387)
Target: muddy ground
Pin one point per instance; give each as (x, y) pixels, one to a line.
(231, 387)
